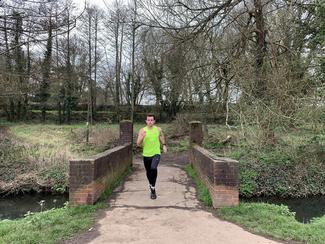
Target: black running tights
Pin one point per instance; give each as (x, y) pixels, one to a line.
(151, 164)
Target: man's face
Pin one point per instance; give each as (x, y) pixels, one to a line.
(150, 121)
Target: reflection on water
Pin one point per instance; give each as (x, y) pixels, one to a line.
(14, 207)
(305, 208)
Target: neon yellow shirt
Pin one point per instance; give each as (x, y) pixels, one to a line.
(151, 143)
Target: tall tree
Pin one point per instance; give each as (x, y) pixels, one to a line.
(46, 67)
(19, 60)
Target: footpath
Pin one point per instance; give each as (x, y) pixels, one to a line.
(176, 216)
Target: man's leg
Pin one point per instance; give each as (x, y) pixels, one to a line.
(153, 175)
(147, 164)
(154, 171)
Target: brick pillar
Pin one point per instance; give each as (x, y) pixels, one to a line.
(196, 133)
(126, 132)
(81, 187)
(226, 182)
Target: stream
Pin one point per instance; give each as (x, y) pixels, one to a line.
(305, 208)
(17, 206)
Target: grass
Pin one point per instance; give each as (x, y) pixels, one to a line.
(271, 220)
(291, 167)
(276, 221)
(116, 183)
(202, 190)
(41, 153)
(54, 225)
(49, 138)
(49, 226)
(292, 147)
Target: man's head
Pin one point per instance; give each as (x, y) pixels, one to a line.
(151, 120)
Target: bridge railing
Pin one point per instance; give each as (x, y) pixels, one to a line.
(220, 175)
(88, 178)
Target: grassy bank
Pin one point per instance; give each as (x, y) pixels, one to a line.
(54, 225)
(270, 220)
(275, 221)
(36, 156)
(293, 166)
(48, 227)
(202, 191)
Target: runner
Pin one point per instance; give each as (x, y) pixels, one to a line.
(150, 138)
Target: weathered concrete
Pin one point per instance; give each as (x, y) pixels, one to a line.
(175, 216)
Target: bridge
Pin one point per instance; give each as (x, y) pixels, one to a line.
(176, 216)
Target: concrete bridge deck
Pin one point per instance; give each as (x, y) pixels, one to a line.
(176, 216)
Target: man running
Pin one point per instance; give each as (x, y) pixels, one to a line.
(150, 138)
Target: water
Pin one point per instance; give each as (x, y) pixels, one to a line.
(305, 208)
(17, 206)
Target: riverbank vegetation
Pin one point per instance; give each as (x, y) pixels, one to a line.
(50, 226)
(55, 225)
(292, 166)
(35, 156)
(270, 220)
(275, 221)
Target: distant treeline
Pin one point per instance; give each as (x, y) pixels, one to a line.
(110, 114)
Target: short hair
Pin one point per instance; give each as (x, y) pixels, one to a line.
(151, 115)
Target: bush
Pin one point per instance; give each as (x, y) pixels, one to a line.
(56, 177)
(293, 167)
(180, 126)
(292, 173)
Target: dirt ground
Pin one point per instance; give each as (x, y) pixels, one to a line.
(176, 216)
(3, 132)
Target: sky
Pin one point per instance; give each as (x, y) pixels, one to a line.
(100, 3)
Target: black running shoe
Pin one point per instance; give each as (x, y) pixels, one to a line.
(153, 193)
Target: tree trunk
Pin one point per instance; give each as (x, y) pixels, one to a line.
(260, 50)
(133, 61)
(94, 94)
(9, 111)
(68, 76)
(44, 93)
(117, 68)
(89, 111)
(19, 61)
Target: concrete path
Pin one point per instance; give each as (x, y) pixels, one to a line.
(175, 216)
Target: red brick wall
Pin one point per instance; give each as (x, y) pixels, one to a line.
(126, 132)
(90, 177)
(196, 135)
(220, 175)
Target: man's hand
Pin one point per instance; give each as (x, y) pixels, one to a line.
(164, 148)
(143, 133)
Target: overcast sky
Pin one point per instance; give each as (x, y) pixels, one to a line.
(100, 3)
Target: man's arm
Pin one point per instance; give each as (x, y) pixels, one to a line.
(141, 135)
(162, 140)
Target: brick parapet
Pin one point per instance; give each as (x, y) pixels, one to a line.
(196, 134)
(220, 175)
(88, 178)
(126, 132)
